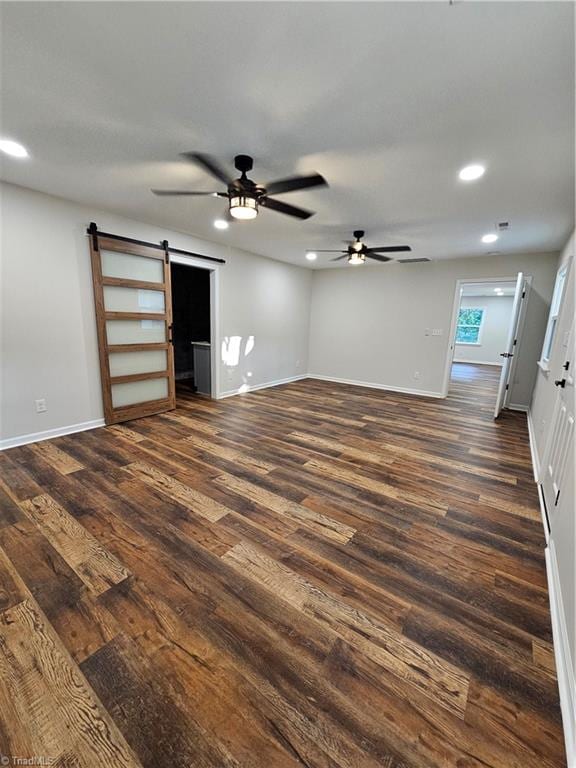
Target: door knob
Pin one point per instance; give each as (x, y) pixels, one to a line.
(560, 383)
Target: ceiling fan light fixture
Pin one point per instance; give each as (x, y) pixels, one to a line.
(243, 207)
(356, 258)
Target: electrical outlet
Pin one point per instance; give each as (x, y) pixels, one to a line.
(40, 405)
(416, 374)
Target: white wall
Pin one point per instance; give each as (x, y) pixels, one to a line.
(368, 324)
(494, 332)
(48, 333)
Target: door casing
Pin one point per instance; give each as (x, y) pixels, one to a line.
(460, 282)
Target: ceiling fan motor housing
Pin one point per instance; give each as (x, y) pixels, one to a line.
(243, 163)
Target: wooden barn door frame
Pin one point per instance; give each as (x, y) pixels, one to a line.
(99, 242)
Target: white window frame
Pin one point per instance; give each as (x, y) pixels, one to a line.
(552, 325)
(464, 325)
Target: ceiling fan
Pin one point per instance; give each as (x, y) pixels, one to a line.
(357, 252)
(244, 195)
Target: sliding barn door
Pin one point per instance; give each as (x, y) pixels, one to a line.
(134, 319)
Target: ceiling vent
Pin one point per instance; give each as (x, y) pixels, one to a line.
(412, 261)
(502, 226)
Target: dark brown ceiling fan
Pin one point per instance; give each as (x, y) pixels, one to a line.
(357, 252)
(244, 195)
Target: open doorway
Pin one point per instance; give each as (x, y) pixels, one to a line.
(484, 340)
(191, 328)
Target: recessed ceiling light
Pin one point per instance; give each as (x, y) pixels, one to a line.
(497, 290)
(12, 148)
(220, 224)
(471, 172)
(311, 255)
(490, 238)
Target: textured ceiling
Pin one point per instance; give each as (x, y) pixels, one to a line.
(387, 100)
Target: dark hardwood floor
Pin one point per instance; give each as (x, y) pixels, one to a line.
(310, 575)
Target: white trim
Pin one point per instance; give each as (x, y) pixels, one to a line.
(476, 362)
(213, 268)
(564, 668)
(533, 449)
(536, 473)
(543, 513)
(36, 437)
(544, 367)
(460, 282)
(517, 407)
(252, 388)
(554, 313)
(373, 385)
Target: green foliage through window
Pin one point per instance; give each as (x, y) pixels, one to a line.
(469, 323)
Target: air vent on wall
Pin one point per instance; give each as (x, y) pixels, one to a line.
(411, 261)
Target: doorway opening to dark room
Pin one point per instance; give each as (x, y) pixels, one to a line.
(191, 328)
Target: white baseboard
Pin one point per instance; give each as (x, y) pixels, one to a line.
(543, 512)
(562, 655)
(533, 450)
(36, 437)
(477, 362)
(517, 407)
(252, 388)
(373, 385)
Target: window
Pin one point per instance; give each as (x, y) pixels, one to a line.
(469, 325)
(553, 316)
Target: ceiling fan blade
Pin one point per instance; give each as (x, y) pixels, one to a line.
(389, 249)
(295, 183)
(319, 250)
(339, 258)
(289, 210)
(182, 192)
(210, 165)
(378, 257)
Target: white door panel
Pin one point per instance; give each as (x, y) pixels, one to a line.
(508, 354)
(559, 455)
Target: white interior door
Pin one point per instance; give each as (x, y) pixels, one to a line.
(508, 354)
(559, 457)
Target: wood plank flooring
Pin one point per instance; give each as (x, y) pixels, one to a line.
(311, 575)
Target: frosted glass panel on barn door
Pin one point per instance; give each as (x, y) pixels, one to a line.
(134, 319)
